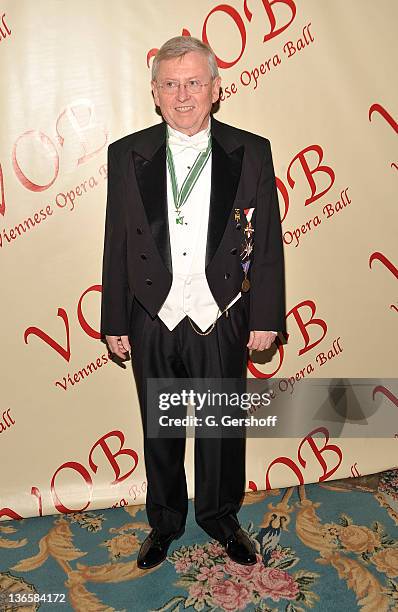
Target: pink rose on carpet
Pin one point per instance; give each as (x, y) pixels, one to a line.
(212, 574)
(231, 596)
(198, 591)
(199, 555)
(216, 549)
(275, 583)
(277, 554)
(243, 571)
(182, 565)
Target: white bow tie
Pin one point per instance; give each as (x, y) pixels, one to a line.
(197, 142)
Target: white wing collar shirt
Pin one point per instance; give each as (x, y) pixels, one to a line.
(189, 294)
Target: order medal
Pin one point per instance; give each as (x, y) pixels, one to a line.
(245, 285)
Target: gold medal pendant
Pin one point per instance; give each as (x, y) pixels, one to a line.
(245, 285)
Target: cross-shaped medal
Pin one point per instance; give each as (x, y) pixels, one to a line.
(248, 230)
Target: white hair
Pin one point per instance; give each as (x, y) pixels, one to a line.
(179, 46)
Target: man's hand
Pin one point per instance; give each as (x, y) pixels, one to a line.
(118, 345)
(261, 340)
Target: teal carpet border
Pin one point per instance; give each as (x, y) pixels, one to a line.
(329, 546)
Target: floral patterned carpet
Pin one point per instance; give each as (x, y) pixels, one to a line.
(330, 546)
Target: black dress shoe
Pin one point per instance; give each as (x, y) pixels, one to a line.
(154, 548)
(240, 548)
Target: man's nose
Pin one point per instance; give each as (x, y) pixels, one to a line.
(182, 92)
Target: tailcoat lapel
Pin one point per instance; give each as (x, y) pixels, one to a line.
(150, 167)
(227, 157)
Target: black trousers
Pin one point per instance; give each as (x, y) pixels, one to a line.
(220, 478)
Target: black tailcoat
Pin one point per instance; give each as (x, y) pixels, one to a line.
(137, 256)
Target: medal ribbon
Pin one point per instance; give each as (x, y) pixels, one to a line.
(248, 247)
(181, 195)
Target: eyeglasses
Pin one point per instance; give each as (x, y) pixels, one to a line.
(193, 86)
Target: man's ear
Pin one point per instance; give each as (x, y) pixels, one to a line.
(216, 89)
(155, 93)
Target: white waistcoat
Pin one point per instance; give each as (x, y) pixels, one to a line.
(189, 293)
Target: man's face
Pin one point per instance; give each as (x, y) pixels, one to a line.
(186, 112)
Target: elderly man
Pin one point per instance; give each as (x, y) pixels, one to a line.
(193, 278)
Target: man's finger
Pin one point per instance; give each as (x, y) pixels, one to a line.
(261, 340)
(118, 345)
(250, 342)
(119, 354)
(113, 345)
(124, 343)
